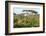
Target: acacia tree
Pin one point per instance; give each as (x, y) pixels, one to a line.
(30, 11)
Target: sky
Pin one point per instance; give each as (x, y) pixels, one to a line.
(19, 10)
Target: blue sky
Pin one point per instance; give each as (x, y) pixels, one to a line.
(19, 10)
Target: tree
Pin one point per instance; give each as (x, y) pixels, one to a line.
(14, 13)
(30, 11)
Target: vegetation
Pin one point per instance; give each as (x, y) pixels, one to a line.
(26, 21)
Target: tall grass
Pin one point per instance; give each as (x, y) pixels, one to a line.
(26, 21)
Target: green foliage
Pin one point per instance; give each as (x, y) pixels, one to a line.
(26, 21)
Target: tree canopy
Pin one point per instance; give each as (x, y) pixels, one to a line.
(33, 11)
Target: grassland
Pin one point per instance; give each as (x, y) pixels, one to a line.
(26, 21)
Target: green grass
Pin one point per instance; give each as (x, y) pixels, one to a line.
(26, 21)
